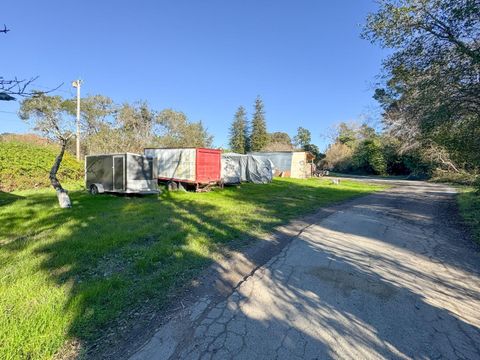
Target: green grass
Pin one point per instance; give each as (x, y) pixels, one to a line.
(25, 165)
(67, 275)
(381, 177)
(469, 204)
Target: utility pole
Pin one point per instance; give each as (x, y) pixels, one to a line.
(77, 84)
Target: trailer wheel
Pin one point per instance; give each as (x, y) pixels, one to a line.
(93, 190)
(172, 186)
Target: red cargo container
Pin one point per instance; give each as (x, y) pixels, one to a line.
(197, 166)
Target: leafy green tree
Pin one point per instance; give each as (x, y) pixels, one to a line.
(258, 137)
(366, 132)
(280, 137)
(278, 141)
(51, 116)
(176, 131)
(368, 157)
(303, 140)
(239, 132)
(117, 128)
(303, 137)
(431, 85)
(357, 149)
(347, 134)
(134, 126)
(95, 110)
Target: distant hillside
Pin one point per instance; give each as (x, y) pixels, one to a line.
(28, 138)
(25, 162)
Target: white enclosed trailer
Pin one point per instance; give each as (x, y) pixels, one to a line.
(195, 166)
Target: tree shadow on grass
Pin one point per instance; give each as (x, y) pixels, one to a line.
(8, 198)
(118, 260)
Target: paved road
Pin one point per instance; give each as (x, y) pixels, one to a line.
(391, 276)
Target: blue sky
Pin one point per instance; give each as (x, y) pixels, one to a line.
(304, 58)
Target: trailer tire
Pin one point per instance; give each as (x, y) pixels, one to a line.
(94, 190)
(172, 186)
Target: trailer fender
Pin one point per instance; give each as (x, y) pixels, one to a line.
(96, 188)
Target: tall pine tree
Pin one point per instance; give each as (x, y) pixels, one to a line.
(238, 132)
(258, 137)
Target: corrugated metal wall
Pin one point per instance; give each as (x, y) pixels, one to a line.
(208, 165)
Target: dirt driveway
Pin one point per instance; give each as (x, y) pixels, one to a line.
(391, 275)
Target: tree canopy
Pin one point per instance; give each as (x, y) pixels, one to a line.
(278, 141)
(361, 149)
(303, 137)
(430, 89)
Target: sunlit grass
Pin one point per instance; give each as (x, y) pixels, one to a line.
(67, 274)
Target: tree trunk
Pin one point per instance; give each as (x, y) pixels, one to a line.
(62, 194)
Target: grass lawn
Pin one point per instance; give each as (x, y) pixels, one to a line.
(66, 275)
(469, 204)
(380, 177)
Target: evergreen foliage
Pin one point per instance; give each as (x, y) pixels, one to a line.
(239, 132)
(259, 136)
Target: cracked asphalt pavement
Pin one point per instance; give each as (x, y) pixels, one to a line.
(392, 275)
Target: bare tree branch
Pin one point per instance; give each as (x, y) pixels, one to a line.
(4, 30)
(19, 87)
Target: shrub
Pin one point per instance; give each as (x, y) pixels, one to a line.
(338, 157)
(461, 178)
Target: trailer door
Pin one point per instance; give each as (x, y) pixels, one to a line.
(119, 173)
(208, 163)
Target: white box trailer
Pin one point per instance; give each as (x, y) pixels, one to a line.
(198, 166)
(120, 173)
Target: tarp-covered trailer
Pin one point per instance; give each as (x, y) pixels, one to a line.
(120, 173)
(294, 164)
(238, 168)
(188, 166)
